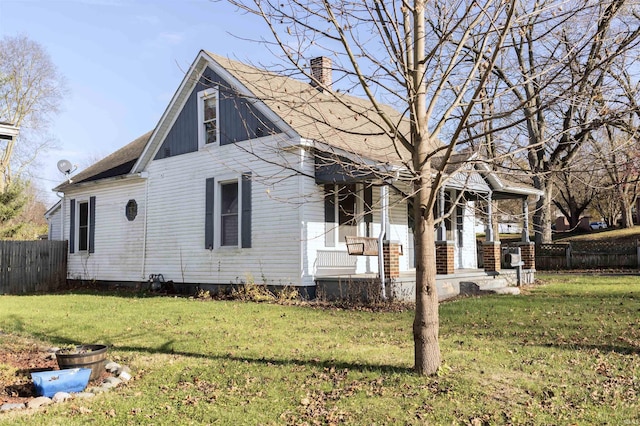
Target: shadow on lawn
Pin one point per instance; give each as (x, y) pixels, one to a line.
(167, 348)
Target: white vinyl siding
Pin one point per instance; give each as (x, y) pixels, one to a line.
(176, 219)
(118, 241)
(467, 256)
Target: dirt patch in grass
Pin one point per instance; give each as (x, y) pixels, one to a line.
(19, 357)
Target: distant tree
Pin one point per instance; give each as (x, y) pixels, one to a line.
(577, 186)
(617, 150)
(560, 68)
(12, 202)
(31, 90)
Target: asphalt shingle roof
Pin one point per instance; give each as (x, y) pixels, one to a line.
(115, 164)
(337, 119)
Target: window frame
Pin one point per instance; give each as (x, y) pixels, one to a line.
(131, 210)
(337, 228)
(75, 215)
(80, 227)
(344, 193)
(218, 213)
(222, 215)
(203, 96)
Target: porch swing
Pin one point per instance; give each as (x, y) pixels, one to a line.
(361, 246)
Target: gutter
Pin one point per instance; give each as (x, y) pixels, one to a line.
(135, 176)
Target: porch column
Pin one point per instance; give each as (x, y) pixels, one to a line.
(392, 252)
(442, 229)
(445, 257)
(525, 224)
(528, 253)
(383, 260)
(491, 256)
(488, 232)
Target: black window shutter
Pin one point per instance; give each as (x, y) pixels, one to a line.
(92, 224)
(246, 210)
(368, 209)
(72, 226)
(329, 215)
(208, 215)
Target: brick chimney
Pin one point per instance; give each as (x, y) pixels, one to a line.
(321, 72)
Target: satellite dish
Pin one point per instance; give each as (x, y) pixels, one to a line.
(65, 166)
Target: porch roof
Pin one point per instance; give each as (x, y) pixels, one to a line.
(464, 172)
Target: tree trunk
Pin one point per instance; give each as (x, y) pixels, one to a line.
(542, 216)
(627, 215)
(426, 322)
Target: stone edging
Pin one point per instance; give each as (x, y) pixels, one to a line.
(120, 374)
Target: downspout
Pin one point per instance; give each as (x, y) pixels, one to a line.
(62, 219)
(301, 216)
(442, 229)
(384, 195)
(144, 226)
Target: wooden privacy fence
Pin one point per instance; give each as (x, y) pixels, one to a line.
(32, 266)
(588, 255)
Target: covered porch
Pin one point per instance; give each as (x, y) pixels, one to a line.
(467, 190)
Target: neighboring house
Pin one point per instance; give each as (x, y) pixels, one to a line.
(54, 222)
(249, 176)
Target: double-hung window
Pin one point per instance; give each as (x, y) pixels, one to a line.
(346, 206)
(208, 117)
(228, 213)
(82, 225)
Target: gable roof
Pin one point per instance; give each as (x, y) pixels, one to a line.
(306, 114)
(335, 119)
(116, 164)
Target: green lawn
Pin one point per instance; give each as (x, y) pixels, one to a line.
(567, 352)
(611, 234)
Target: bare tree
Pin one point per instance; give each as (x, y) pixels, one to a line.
(414, 55)
(31, 90)
(609, 167)
(577, 186)
(618, 152)
(559, 71)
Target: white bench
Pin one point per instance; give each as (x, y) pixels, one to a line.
(335, 262)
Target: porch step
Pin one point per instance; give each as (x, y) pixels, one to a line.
(488, 285)
(482, 284)
(506, 290)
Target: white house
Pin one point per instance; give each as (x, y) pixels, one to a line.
(250, 176)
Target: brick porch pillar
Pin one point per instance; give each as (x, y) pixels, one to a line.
(528, 253)
(391, 251)
(444, 257)
(491, 256)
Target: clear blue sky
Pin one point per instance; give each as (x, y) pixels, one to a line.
(122, 60)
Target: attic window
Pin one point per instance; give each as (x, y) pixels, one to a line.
(131, 210)
(208, 117)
